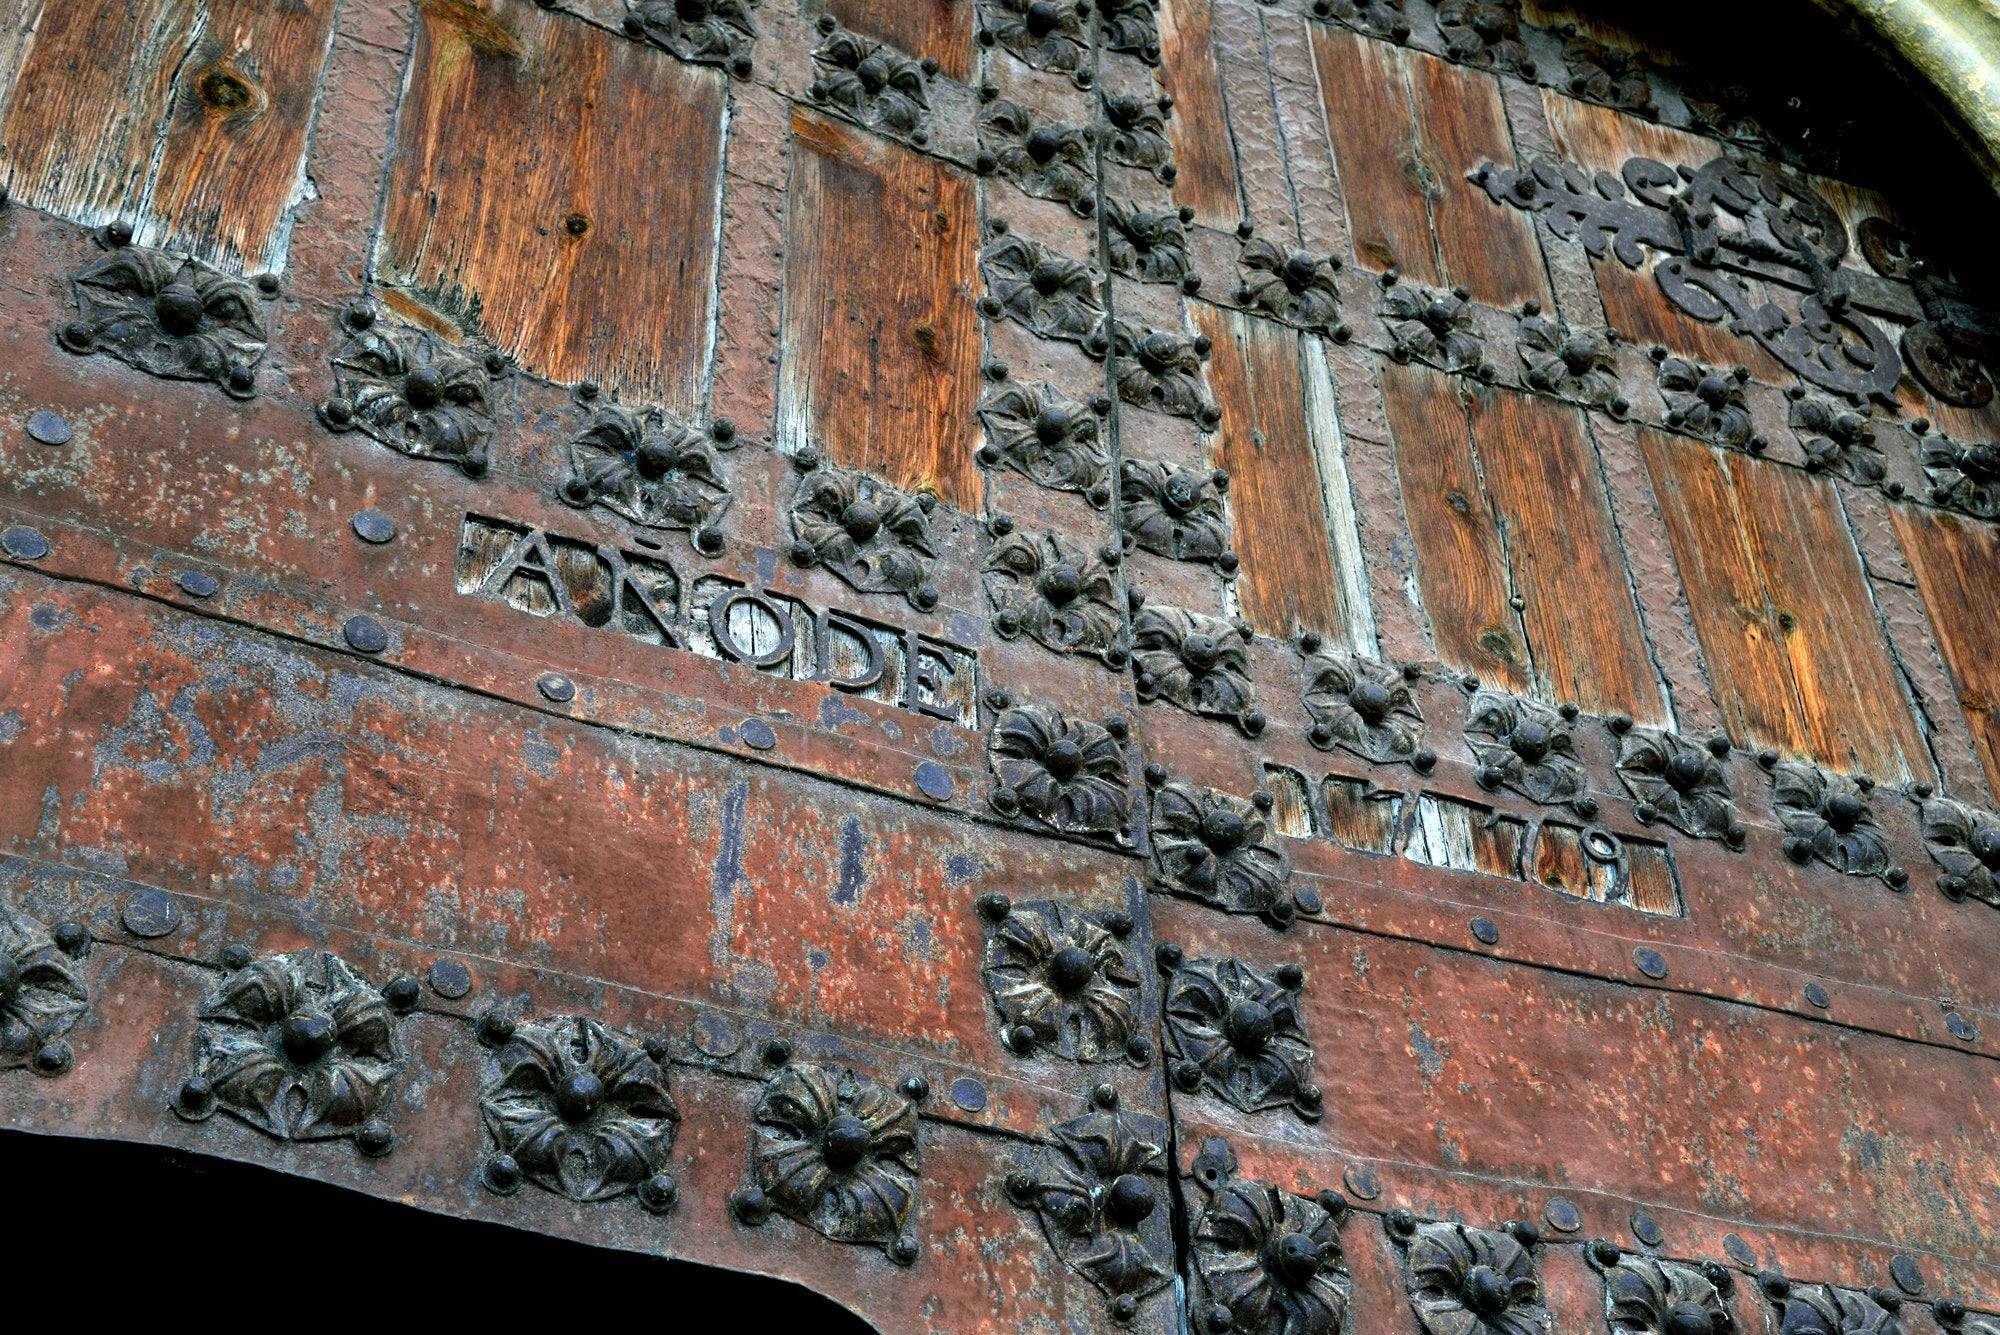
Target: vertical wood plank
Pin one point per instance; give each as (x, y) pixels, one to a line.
(1338, 497)
(1198, 129)
(1562, 546)
(1719, 571)
(940, 29)
(1957, 565)
(1461, 124)
(1287, 580)
(1650, 884)
(232, 161)
(555, 188)
(1361, 816)
(1461, 564)
(1856, 711)
(84, 113)
(882, 343)
(1384, 176)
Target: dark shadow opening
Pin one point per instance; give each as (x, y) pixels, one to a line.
(119, 1227)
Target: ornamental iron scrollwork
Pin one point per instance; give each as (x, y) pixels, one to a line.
(1042, 34)
(1100, 1191)
(1644, 1295)
(1219, 849)
(1680, 782)
(1067, 774)
(652, 471)
(1470, 1281)
(1270, 1260)
(1965, 842)
(1048, 294)
(1130, 27)
(1827, 818)
(1829, 343)
(410, 390)
(1289, 284)
(1139, 132)
(1061, 983)
(1194, 662)
(1048, 439)
(1823, 1309)
(1365, 706)
(1580, 364)
(581, 1110)
(1176, 512)
(706, 32)
(1043, 156)
(1707, 401)
(871, 84)
(1835, 437)
(1057, 594)
(1149, 245)
(169, 316)
(1486, 34)
(1237, 1033)
(873, 536)
(1950, 351)
(300, 1046)
(1963, 477)
(1529, 747)
(1433, 327)
(1161, 370)
(836, 1151)
(42, 995)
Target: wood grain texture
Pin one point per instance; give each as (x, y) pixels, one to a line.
(1461, 124)
(555, 189)
(1795, 652)
(1361, 816)
(1198, 128)
(1562, 546)
(940, 29)
(881, 336)
(1384, 178)
(1461, 563)
(1957, 564)
(1288, 582)
(1650, 884)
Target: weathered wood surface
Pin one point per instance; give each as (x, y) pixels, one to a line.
(1204, 162)
(1957, 565)
(555, 190)
(939, 29)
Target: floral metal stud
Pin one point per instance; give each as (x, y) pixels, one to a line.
(708, 32)
(412, 391)
(1048, 294)
(42, 996)
(300, 1046)
(1059, 596)
(1100, 1191)
(1044, 157)
(1827, 817)
(1061, 982)
(1706, 402)
(1149, 245)
(1218, 849)
(1469, 1281)
(1822, 1309)
(1526, 746)
(1067, 774)
(1647, 1296)
(1606, 74)
(1139, 130)
(1963, 477)
(1377, 18)
(836, 1151)
(1965, 841)
(1484, 33)
(1048, 439)
(169, 316)
(1435, 328)
(1157, 369)
(1365, 706)
(1836, 438)
(1044, 34)
(656, 473)
(1198, 663)
(1176, 512)
(1270, 1260)
(1680, 782)
(870, 83)
(1581, 365)
(1130, 26)
(581, 1110)
(1237, 1033)
(1296, 287)
(873, 536)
